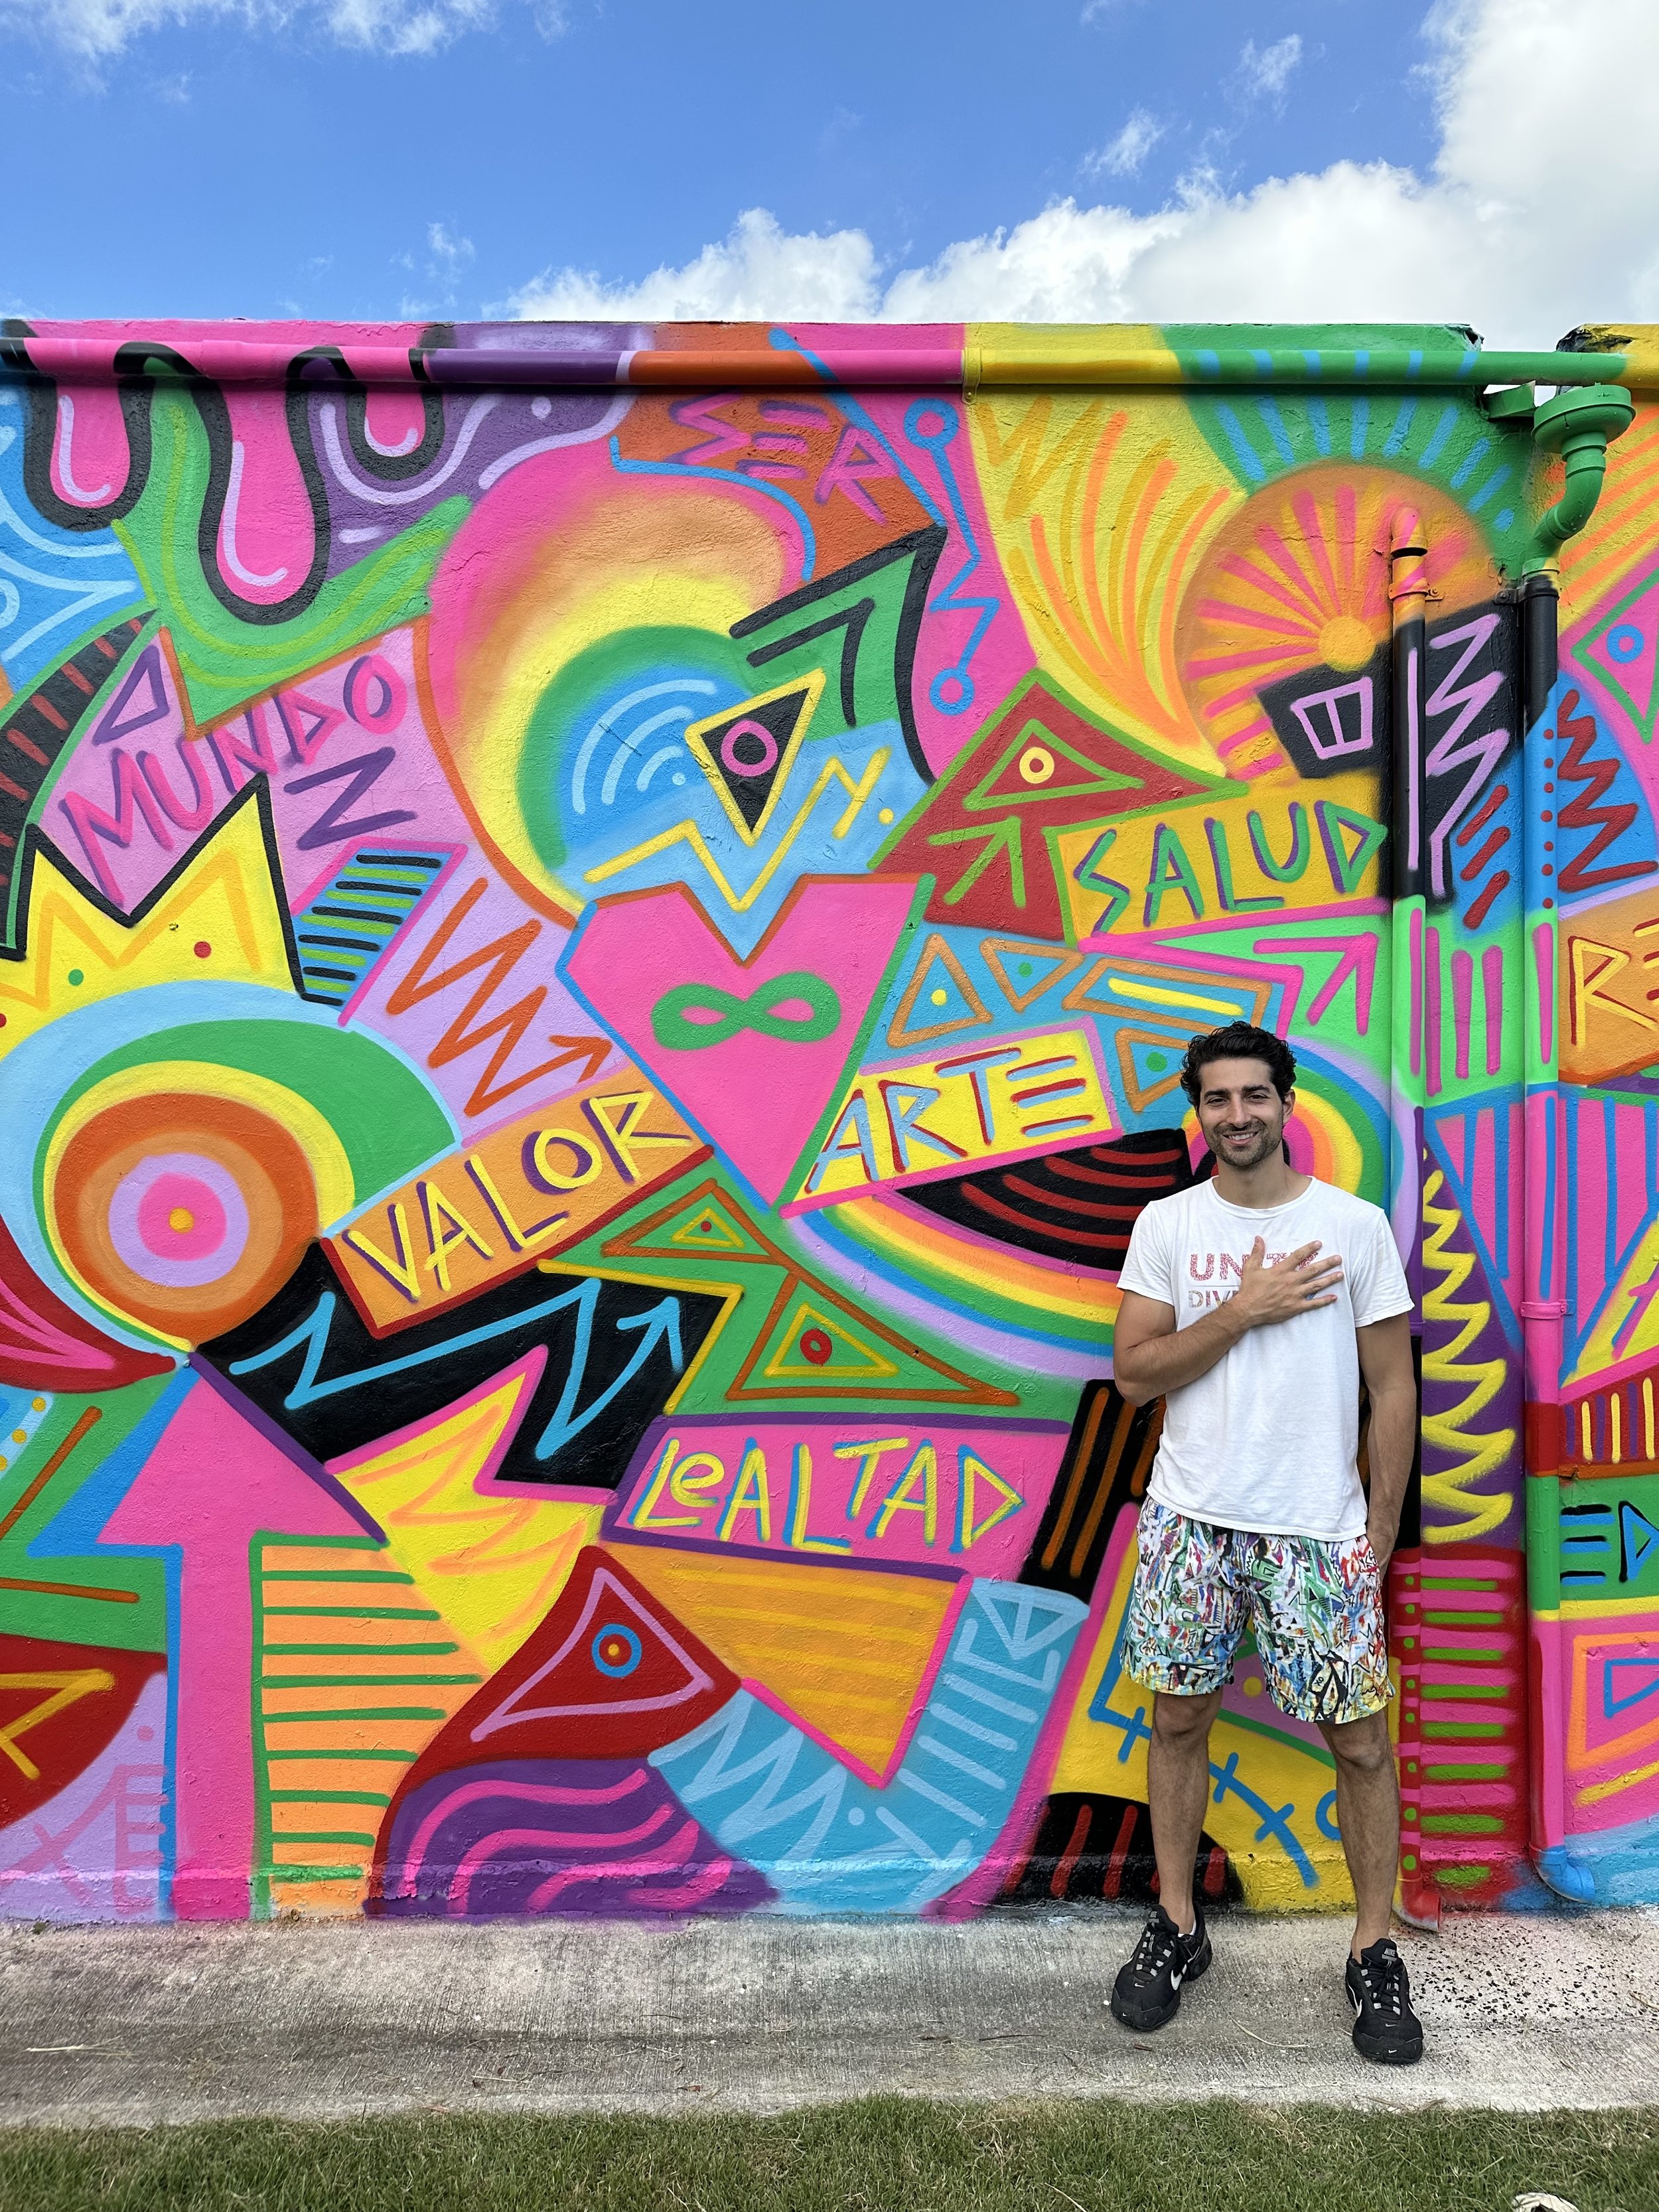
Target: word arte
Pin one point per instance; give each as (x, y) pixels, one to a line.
(844, 1491)
(998, 1100)
(522, 1192)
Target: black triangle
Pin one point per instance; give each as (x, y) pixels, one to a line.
(749, 746)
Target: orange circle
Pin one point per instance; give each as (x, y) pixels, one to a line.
(271, 1172)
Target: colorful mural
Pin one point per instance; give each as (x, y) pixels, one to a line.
(597, 929)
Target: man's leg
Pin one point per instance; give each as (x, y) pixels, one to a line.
(1368, 1808)
(1177, 1787)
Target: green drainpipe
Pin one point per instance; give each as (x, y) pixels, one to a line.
(1579, 426)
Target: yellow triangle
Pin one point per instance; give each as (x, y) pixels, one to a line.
(490, 1564)
(846, 1652)
(804, 1317)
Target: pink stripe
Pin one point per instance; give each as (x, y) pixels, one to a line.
(1543, 953)
(540, 1840)
(1463, 979)
(640, 1870)
(1416, 1038)
(533, 1793)
(689, 1894)
(1492, 984)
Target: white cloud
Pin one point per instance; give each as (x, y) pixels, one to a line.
(449, 253)
(758, 271)
(1263, 73)
(1124, 156)
(1537, 213)
(93, 31)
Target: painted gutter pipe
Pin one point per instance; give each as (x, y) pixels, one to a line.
(956, 368)
(1578, 425)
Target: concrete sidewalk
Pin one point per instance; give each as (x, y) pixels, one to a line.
(323, 2020)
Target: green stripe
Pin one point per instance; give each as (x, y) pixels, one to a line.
(350, 1613)
(1433, 1617)
(1456, 1581)
(329, 1797)
(1461, 1877)
(1461, 1824)
(321, 1836)
(353, 1713)
(1466, 1769)
(363, 1682)
(402, 1758)
(332, 1575)
(1469, 1729)
(1458, 1691)
(304, 1872)
(358, 1651)
(1471, 1658)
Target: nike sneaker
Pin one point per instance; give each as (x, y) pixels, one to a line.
(1147, 1992)
(1385, 2028)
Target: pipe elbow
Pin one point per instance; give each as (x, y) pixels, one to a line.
(1579, 426)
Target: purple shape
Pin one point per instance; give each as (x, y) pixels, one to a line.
(538, 1835)
(469, 442)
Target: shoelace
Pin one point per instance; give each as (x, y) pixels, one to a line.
(1154, 1949)
(1385, 1980)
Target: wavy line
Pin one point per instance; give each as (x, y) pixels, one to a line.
(1482, 1380)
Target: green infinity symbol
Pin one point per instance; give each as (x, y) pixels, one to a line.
(723, 1014)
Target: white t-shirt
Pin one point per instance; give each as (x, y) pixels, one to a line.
(1269, 1438)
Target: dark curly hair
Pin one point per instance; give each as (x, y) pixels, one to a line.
(1238, 1041)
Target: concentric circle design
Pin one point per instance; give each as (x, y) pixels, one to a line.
(616, 1650)
(179, 1220)
(181, 1210)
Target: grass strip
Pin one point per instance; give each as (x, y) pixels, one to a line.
(882, 2155)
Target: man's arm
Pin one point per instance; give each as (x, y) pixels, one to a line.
(1385, 1361)
(1151, 1355)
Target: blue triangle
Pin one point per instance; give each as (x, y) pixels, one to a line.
(1647, 1689)
(1639, 1537)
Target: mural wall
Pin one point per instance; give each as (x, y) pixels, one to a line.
(591, 982)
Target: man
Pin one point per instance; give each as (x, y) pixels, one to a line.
(1252, 1303)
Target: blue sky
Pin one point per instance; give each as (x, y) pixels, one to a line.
(367, 158)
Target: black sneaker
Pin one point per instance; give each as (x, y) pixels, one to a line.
(1147, 1992)
(1385, 2027)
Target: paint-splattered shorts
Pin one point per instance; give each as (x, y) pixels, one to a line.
(1314, 1608)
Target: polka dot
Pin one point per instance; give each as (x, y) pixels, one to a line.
(885, 815)
(1253, 1685)
(39, 1404)
(816, 1347)
(19, 1436)
(1036, 764)
(201, 948)
(76, 977)
(855, 1816)
(1549, 902)
(1157, 1062)
(3, 1021)
(4, 1464)
(1547, 870)
(937, 998)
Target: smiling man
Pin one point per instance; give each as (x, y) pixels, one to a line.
(1252, 1304)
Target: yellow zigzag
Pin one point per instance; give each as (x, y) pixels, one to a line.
(1484, 1379)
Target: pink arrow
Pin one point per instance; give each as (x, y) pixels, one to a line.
(1359, 960)
(212, 1485)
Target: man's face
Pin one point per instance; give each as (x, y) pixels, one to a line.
(1241, 1116)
